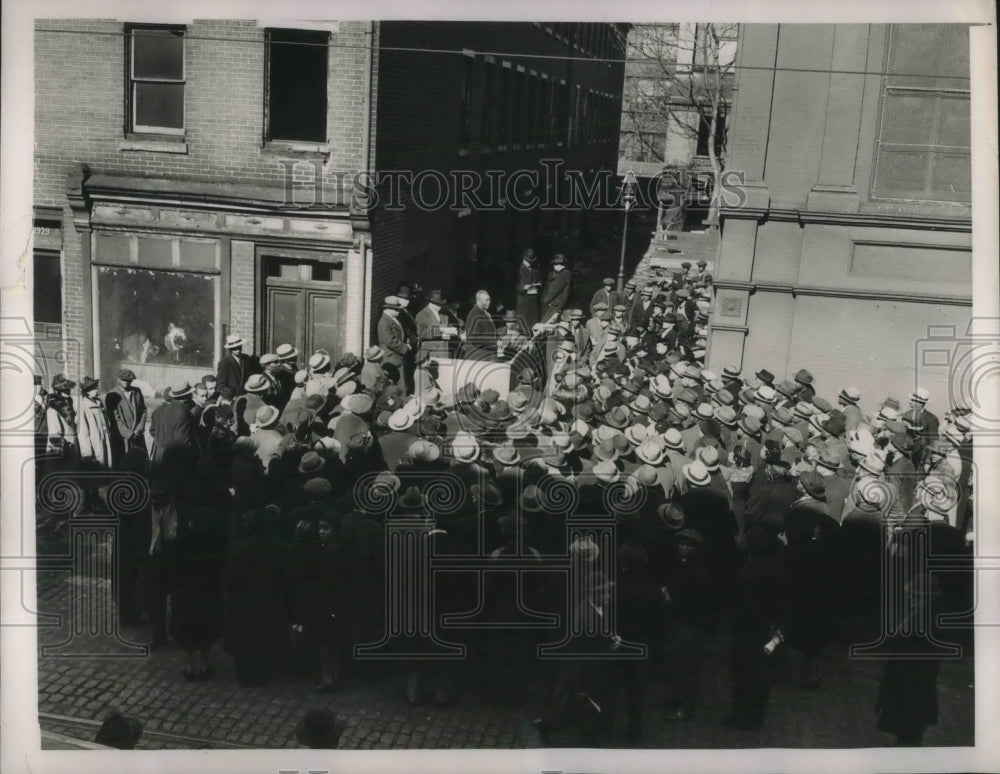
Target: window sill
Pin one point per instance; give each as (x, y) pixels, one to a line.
(301, 150)
(158, 145)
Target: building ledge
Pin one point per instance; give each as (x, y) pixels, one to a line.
(867, 219)
(297, 150)
(151, 145)
(872, 295)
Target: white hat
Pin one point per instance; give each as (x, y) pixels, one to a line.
(465, 447)
(319, 361)
(267, 416)
(673, 439)
(650, 452)
(920, 395)
(696, 473)
(234, 342)
(400, 420)
(709, 456)
(286, 352)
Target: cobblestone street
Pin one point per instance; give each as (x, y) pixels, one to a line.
(75, 694)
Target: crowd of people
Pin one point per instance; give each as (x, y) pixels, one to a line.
(746, 505)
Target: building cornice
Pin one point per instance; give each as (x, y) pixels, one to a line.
(862, 219)
(868, 295)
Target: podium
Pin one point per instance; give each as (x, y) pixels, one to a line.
(454, 373)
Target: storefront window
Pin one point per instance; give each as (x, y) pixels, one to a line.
(160, 324)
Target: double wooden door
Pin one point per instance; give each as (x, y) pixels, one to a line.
(304, 306)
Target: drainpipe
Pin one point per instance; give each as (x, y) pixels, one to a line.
(366, 133)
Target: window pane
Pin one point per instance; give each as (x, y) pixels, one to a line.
(158, 54)
(955, 122)
(297, 85)
(285, 324)
(326, 324)
(909, 118)
(159, 105)
(47, 289)
(155, 318)
(952, 177)
(923, 54)
(901, 174)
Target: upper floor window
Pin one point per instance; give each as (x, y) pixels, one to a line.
(296, 94)
(923, 149)
(155, 80)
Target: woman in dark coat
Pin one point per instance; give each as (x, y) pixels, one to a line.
(196, 602)
(255, 588)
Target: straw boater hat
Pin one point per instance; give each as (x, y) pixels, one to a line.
(319, 361)
(673, 439)
(637, 434)
(374, 353)
(234, 342)
(650, 452)
(286, 352)
(696, 473)
(400, 420)
(709, 457)
(506, 455)
(920, 395)
(606, 472)
(850, 395)
(180, 389)
(465, 447)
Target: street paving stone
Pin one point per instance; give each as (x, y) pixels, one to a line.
(376, 714)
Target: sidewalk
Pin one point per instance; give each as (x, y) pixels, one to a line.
(220, 712)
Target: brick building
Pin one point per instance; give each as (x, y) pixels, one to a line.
(855, 240)
(201, 180)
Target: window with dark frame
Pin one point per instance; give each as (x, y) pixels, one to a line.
(468, 76)
(296, 94)
(503, 106)
(520, 89)
(923, 147)
(47, 288)
(489, 94)
(155, 80)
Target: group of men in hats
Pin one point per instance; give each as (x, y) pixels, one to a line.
(738, 499)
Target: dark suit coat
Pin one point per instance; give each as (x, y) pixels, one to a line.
(480, 336)
(429, 331)
(171, 427)
(639, 317)
(409, 327)
(392, 339)
(527, 275)
(127, 417)
(556, 293)
(232, 373)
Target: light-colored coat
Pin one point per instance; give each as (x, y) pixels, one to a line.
(94, 431)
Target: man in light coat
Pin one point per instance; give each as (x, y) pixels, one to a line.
(127, 411)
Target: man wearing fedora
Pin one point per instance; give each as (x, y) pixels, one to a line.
(557, 290)
(430, 321)
(127, 409)
(233, 368)
(392, 338)
(529, 280)
(173, 431)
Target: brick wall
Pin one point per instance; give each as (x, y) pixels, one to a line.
(79, 117)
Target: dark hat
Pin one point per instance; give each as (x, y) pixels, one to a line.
(487, 494)
(38, 380)
(813, 483)
(316, 488)
(558, 258)
(88, 383)
(836, 425)
(686, 265)
(671, 515)
(403, 292)
(127, 375)
(787, 388)
(412, 500)
(61, 384)
(703, 262)
(766, 376)
(311, 462)
(804, 377)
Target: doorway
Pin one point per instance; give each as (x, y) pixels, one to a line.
(303, 304)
